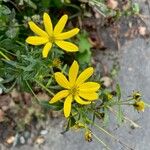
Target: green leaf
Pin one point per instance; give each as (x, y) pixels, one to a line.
(31, 4)
(84, 54)
(84, 44)
(12, 32)
(71, 123)
(106, 117)
(57, 3)
(9, 44)
(45, 3)
(118, 90)
(56, 106)
(136, 8)
(4, 10)
(93, 118)
(84, 58)
(120, 117)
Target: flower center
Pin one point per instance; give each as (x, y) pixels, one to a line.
(52, 39)
(74, 91)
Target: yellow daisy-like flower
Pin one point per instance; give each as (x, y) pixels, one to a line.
(50, 35)
(76, 88)
(139, 105)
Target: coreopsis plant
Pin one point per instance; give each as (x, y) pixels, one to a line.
(50, 35)
(82, 101)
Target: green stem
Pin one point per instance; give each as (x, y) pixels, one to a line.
(44, 87)
(126, 118)
(38, 101)
(2, 54)
(148, 105)
(112, 104)
(129, 99)
(12, 86)
(102, 129)
(12, 26)
(63, 69)
(20, 43)
(98, 139)
(3, 49)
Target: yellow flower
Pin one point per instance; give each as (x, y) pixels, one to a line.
(139, 105)
(88, 136)
(75, 88)
(56, 63)
(109, 96)
(50, 35)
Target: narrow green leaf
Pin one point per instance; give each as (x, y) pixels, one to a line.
(71, 123)
(106, 117)
(118, 90)
(120, 117)
(31, 4)
(56, 106)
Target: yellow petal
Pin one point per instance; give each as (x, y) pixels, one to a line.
(46, 49)
(36, 40)
(80, 101)
(67, 35)
(48, 24)
(59, 96)
(61, 24)
(89, 96)
(67, 46)
(73, 72)
(37, 30)
(89, 86)
(84, 75)
(61, 80)
(67, 106)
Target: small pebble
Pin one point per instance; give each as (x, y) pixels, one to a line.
(43, 132)
(10, 140)
(22, 140)
(130, 69)
(27, 134)
(40, 140)
(142, 30)
(106, 81)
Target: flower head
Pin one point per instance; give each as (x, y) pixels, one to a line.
(88, 136)
(56, 63)
(109, 96)
(139, 105)
(76, 88)
(50, 35)
(136, 95)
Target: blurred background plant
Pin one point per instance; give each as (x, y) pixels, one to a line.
(23, 71)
